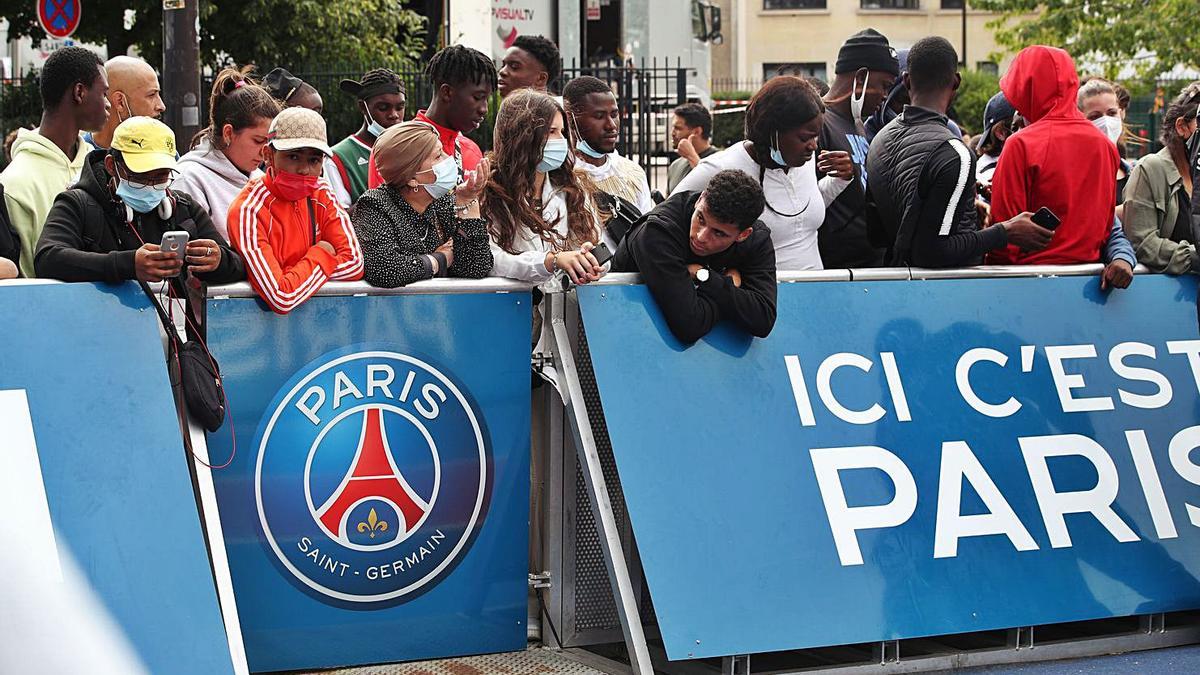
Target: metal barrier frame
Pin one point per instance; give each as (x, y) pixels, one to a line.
(626, 580)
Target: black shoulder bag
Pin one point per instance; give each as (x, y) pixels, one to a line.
(195, 375)
(622, 215)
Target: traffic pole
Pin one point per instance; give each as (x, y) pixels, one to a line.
(181, 69)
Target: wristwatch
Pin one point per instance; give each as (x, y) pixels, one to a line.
(702, 275)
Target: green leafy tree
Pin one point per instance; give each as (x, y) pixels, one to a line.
(1113, 33)
(973, 94)
(263, 32)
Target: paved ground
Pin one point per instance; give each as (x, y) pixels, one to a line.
(1175, 661)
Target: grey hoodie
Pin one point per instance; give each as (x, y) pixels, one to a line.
(208, 176)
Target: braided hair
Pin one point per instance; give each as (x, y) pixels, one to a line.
(457, 65)
(377, 76)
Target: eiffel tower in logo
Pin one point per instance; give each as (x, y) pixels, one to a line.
(372, 475)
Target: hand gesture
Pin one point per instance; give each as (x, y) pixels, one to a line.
(152, 265)
(204, 255)
(687, 149)
(836, 163)
(447, 249)
(475, 181)
(735, 275)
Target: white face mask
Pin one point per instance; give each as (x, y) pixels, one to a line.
(856, 102)
(1109, 126)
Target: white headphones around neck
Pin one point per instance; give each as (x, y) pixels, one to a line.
(166, 208)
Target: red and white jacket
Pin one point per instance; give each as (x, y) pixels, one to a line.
(278, 241)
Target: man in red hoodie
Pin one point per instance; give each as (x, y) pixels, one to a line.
(1054, 163)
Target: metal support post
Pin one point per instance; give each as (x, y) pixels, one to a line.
(181, 69)
(1020, 638)
(736, 665)
(1153, 623)
(610, 539)
(887, 651)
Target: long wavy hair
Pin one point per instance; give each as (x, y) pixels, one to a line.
(522, 127)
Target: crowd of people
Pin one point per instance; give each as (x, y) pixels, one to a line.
(866, 171)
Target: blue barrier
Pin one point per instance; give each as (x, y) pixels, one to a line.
(377, 509)
(905, 459)
(82, 366)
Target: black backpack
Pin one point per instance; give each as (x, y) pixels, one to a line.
(10, 241)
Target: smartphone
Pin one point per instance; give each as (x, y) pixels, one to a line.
(602, 253)
(175, 243)
(1046, 218)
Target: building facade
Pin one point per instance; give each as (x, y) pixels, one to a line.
(765, 37)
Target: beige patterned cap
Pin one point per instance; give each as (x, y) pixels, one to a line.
(295, 128)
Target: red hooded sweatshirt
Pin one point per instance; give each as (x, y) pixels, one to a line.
(1059, 161)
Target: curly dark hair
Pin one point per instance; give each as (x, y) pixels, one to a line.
(545, 52)
(457, 64)
(932, 64)
(65, 68)
(782, 104)
(381, 76)
(734, 197)
(582, 87)
(696, 115)
(522, 126)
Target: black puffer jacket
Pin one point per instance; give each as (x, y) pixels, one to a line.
(87, 236)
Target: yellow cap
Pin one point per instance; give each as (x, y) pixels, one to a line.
(146, 144)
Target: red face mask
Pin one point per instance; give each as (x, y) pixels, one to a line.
(292, 187)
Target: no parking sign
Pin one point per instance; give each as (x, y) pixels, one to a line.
(59, 18)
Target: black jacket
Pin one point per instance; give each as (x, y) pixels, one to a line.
(658, 248)
(87, 238)
(921, 198)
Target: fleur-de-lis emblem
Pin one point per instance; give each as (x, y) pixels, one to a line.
(373, 524)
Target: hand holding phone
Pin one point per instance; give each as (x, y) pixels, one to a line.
(1046, 218)
(601, 253)
(175, 243)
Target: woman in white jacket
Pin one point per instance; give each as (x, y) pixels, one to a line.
(783, 123)
(229, 151)
(541, 217)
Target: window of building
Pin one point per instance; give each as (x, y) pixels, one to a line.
(952, 4)
(989, 67)
(890, 4)
(816, 70)
(793, 4)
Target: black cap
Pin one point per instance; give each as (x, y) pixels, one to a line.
(373, 83)
(281, 84)
(867, 49)
(998, 109)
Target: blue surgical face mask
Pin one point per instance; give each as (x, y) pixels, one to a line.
(586, 148)
(143, 199)
(374, 128)
(776, 155)
(553, 155)
(445, 174)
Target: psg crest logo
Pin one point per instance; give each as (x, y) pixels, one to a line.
(372, 476)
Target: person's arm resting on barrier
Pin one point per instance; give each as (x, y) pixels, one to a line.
(690, 313)
(472, 248)
(1119, 259)
(61, 254)
(337, 230)
(750, 306)
(385, 263)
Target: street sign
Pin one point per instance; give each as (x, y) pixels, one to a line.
(59, 18)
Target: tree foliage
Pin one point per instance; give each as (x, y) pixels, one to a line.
(1152, 36)
(267, 33)
(973, 94)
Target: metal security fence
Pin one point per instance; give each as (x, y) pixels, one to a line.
(646, 94)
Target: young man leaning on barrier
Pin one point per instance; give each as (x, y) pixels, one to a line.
(921, 198)
(109, 226)
(706, 257)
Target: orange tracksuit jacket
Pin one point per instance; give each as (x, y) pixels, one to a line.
(277, 240)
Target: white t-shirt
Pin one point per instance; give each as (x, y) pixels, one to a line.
(796, 191)
(529, 262)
